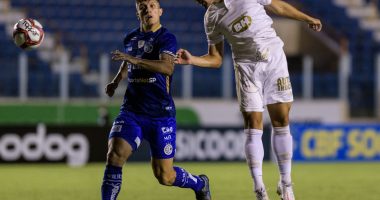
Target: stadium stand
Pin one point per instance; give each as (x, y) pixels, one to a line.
(101, 24)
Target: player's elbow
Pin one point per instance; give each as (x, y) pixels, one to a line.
(214, 61)
(277, 8)
(217, 63)
(169, 70)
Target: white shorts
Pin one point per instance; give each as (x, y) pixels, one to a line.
(261, 83)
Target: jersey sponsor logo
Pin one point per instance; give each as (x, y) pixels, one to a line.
(140, 44)
(142, 80)
(168, 137)
(167, 130)
(283, 84)
(133, 67)
(168, 149)
(116, 128)
(241, 24)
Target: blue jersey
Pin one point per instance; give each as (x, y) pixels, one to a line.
(149, 93)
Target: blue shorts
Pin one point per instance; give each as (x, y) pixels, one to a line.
(159, 132)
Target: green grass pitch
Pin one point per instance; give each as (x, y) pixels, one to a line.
(229, 181)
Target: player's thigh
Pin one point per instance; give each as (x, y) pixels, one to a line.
(277, 87)
(125, 137)
(249, 86)
(279, 113)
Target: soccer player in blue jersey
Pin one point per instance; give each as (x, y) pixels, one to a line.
(148, 110)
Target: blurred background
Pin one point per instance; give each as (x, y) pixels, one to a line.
(53, 108)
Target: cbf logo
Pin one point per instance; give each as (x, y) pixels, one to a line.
(167, 130)
(241, 24)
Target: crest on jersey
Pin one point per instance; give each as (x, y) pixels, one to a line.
(141, 43)
(148, 47)
(241, 24)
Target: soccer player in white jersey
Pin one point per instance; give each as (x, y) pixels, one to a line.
(262, 77)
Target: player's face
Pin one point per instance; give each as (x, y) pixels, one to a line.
(149, 12)
(206, 3)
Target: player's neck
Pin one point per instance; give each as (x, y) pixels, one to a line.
(210, 2)
(216, 1)
(153, 28)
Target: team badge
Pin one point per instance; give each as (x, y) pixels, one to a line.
(141, 43)
(168, 149)
(148, 47)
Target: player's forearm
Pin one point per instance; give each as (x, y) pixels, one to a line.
(281, 8)
(156, 66)
(121, 74)
(207, 61)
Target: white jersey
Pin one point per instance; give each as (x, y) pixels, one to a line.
(246, 26)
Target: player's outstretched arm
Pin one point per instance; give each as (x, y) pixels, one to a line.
(213, 59)
(164, 66)
(121, 74)
(284, 9)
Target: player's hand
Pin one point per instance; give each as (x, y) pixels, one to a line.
(110, 88)
(183, 57)
(315, 24)
(118, 55)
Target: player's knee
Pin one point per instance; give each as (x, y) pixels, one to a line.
(253, 120)
(280, 121)
(115, 158)
(166, 178)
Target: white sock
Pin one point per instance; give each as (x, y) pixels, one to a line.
(282, 144)
(254, 152)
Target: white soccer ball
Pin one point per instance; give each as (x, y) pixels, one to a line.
(28, 33)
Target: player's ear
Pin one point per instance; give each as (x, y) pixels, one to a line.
(161, 11)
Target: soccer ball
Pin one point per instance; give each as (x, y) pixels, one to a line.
(28, 33)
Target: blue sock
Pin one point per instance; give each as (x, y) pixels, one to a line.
(111, 182)
(186, 180)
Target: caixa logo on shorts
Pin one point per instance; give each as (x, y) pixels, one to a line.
(241, 24)
(167, 130)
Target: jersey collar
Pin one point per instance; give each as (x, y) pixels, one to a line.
(153, 31)
(227, 3)
(156, 29)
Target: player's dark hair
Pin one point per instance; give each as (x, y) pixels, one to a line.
(139, 1)
(203, 3)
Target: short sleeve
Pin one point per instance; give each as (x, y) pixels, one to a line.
(168, 44)
(214, 36)
(264, 2)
